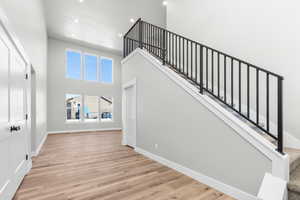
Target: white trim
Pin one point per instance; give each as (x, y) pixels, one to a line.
(222, 187)
(37, 151)
(85, 130)
(131, 83)
(272, 188)
(280, 163)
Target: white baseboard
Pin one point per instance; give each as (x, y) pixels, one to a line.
(37, 151)
(291, 141)
(84, 130)
(222, 187)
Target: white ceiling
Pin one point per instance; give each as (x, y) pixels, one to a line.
(99, 22)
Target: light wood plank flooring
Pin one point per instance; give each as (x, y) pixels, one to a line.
(91, 166)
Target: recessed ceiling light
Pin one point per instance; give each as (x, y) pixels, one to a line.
(165, 3)
(73, 35)
(120, 35)
(132, 20)
(76, 21)
(80, 1)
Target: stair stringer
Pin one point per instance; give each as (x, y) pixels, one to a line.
(280, 163)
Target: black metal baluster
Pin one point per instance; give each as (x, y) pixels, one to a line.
(169, 48)
(212, 71)
(268, 102)
(192, 61)
(257, 96)
(187, 57)
(248, 91)
(201, 69)
(180, 66)
(206, 68)
(225, 76)
(173, 51)
(196, 63)
(240, 86)
(176, 52)
(183, 55)
(232, 103)
(218, 75)
(164, 47)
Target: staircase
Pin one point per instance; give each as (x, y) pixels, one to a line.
(251, 93)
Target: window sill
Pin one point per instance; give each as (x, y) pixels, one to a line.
(73, 121)
(106, 120)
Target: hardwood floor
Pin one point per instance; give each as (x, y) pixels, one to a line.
(91, 166)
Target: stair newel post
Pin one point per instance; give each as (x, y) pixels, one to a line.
(201, 69)
(280, 115)
(141, 33)
(164, 47)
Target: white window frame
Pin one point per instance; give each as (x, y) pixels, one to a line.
(81, 109)
(100, 113)
(84, 67)
(100, 70)
(66, 64)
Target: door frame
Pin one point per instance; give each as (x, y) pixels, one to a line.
(129, 84)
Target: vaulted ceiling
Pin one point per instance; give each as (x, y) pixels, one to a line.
(99, 22)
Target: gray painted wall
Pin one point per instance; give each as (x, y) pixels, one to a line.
(265, 33)
(188, 133)
(58, 86)
(28, 22)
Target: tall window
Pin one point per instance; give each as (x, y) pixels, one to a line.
(90, 63)
(73, 65)
(91, 107)
(106, 106)
(106, 70)
(73, 105)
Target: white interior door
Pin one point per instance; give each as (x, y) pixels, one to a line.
(4, 117)
(130, 115)
(13, 123)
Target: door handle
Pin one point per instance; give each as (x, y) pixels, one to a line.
(15, 128)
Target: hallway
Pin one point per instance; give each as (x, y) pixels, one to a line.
(86, 166)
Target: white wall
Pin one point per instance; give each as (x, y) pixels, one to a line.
(187, 133)
(59, 86)
(28, 22)
(265, 33)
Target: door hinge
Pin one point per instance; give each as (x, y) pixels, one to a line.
(26, 76)
(26, 116)
(26, 156)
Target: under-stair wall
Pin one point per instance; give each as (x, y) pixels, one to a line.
(174, 125)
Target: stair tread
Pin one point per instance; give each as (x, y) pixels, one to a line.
(294, 183)
(293, 153)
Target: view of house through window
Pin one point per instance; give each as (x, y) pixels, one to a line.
(73, 104)
(91, 107)
(106, 105)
